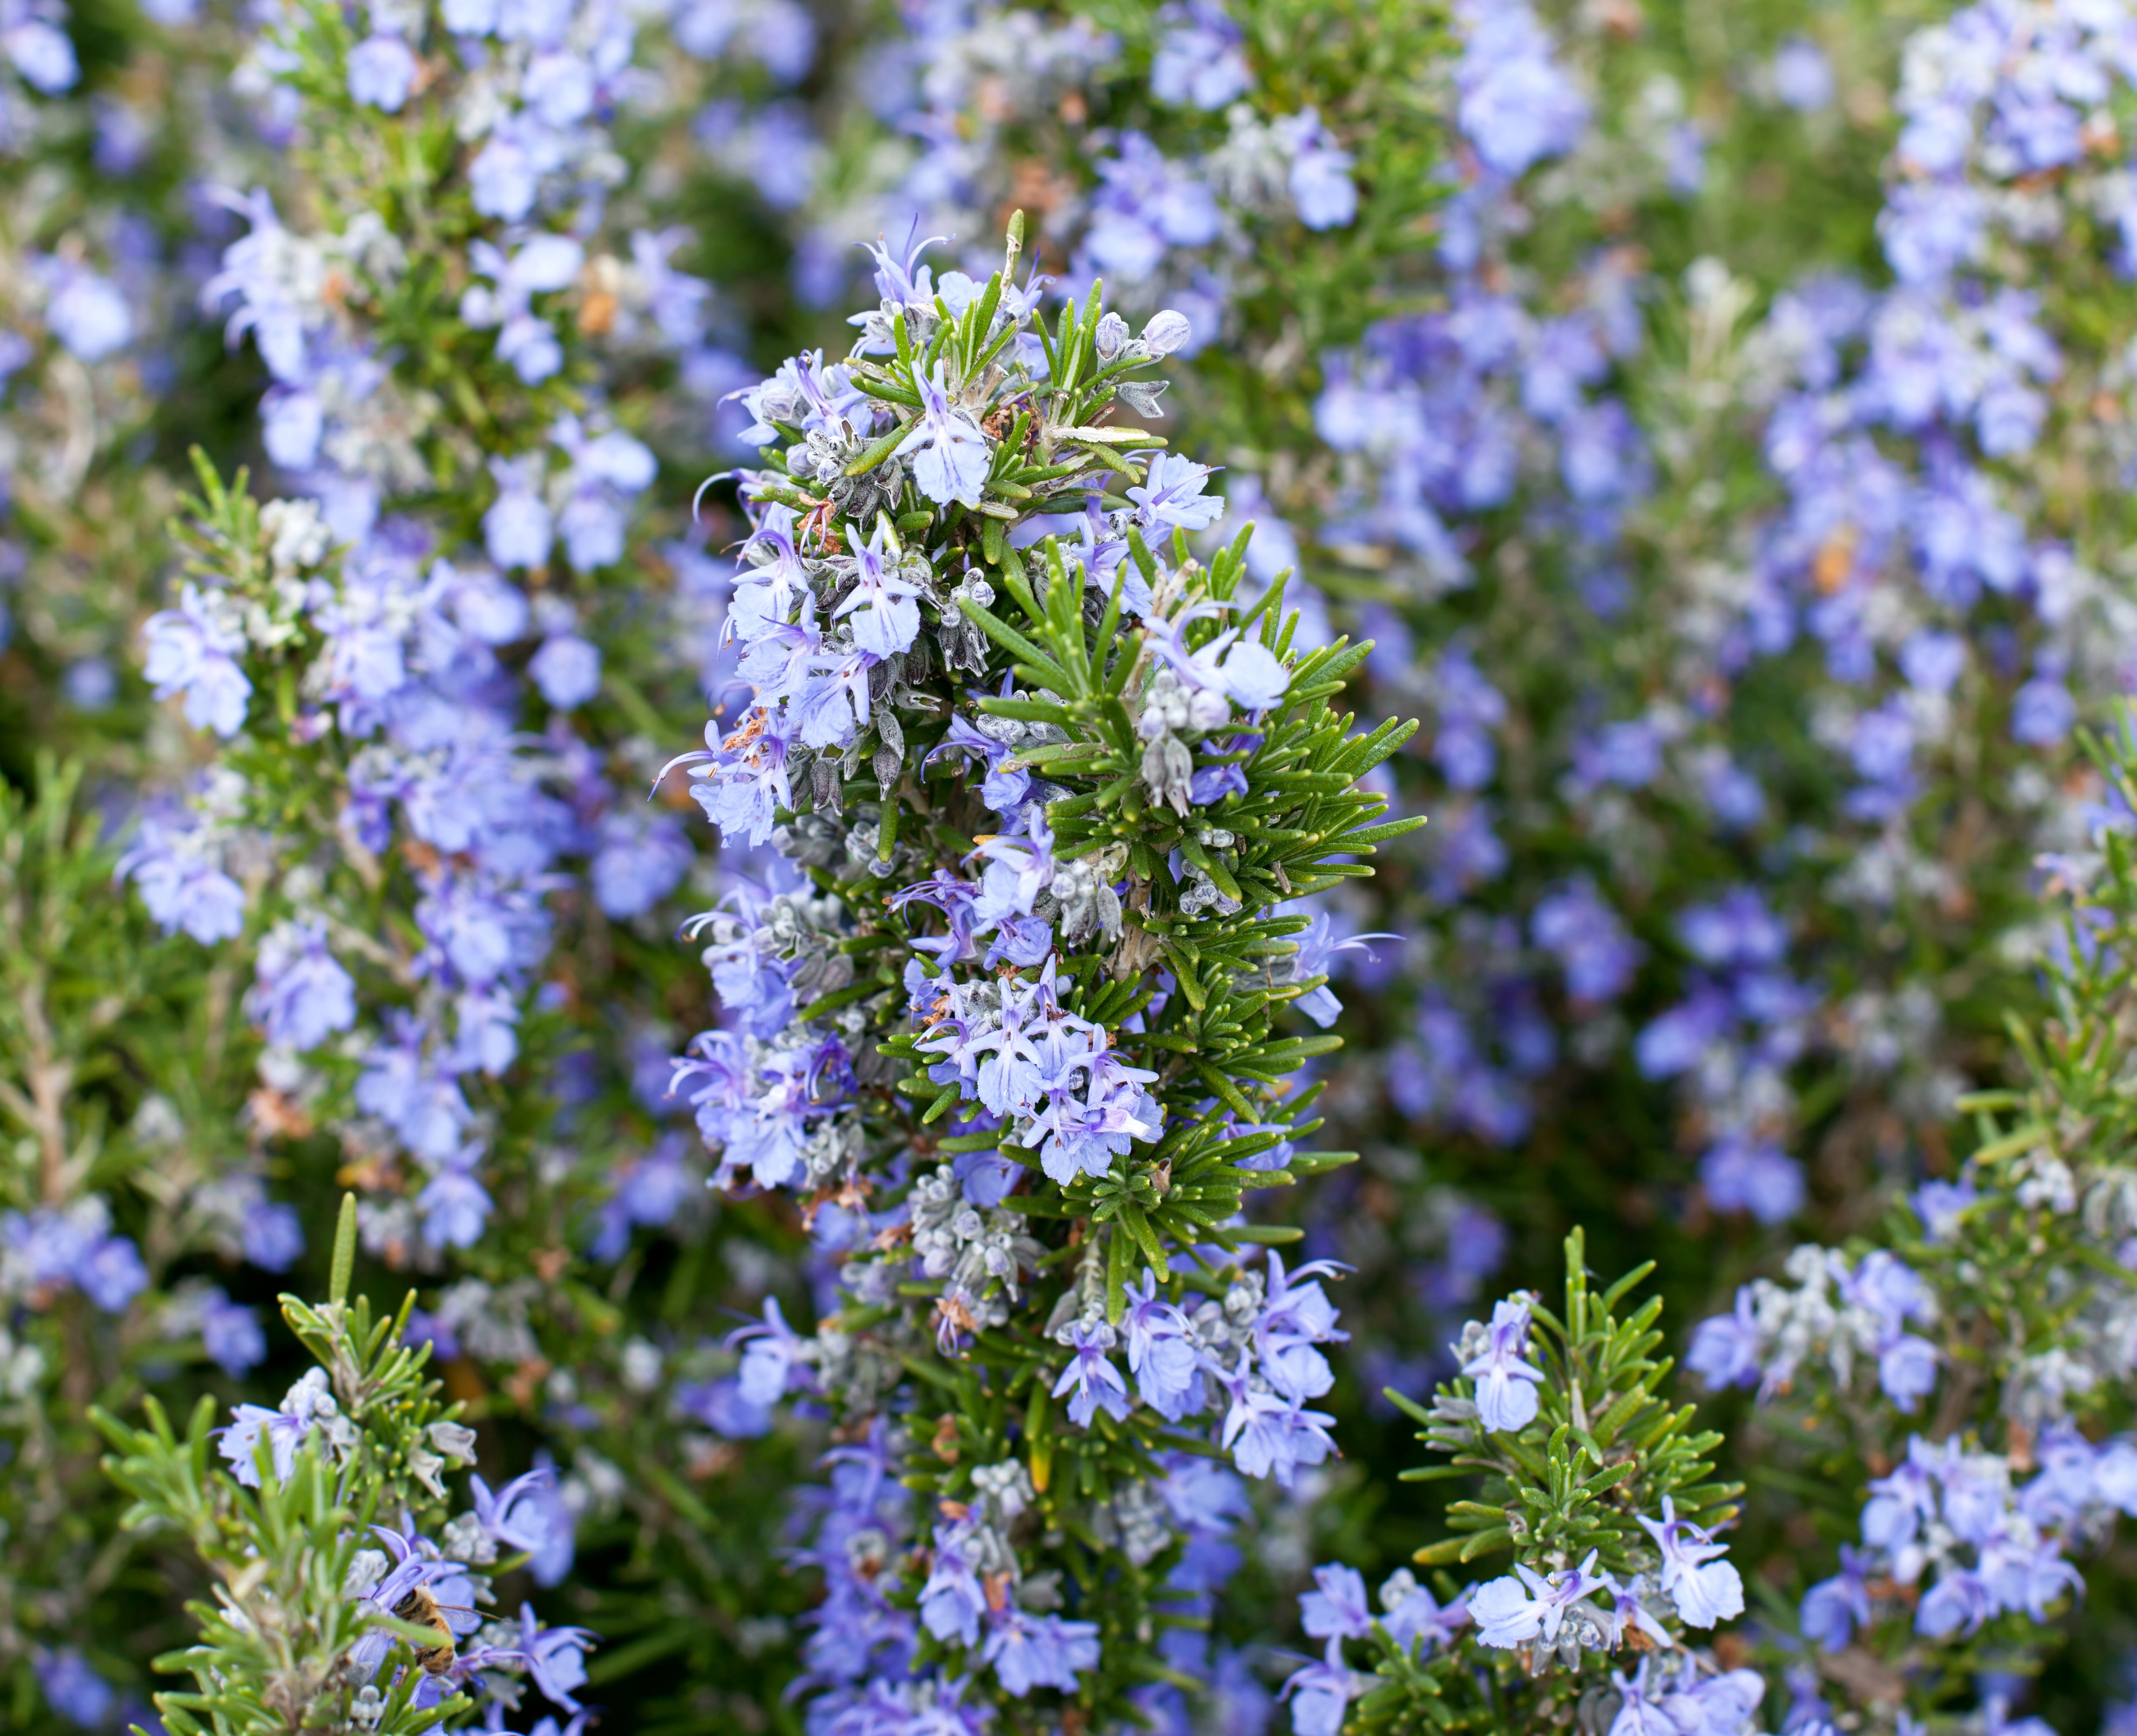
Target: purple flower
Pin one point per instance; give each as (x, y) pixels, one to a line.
(1317, 951)
(1627, 753)
(418, 1096)
(1513, 1611)
(1321, 184)
(1336, 1609)
(40, 49)
(381, 72)
(1198, 59)
(112, 1275)
(1932, 661)
(518, 528)
(1745, 1175)
(885, 620)
(771, 1365)
(1470, 709)
(1096, 1383)
(2043, 711)
(952, 1602)
(1932, 227)
(1082, 1134)
(300, 995)
(285, 1429)
(1004, 788)
(193, 651)
(951, 456)
(1580, 927)
(1161, 1354)
(1676, 1039)
(555, 1657)
(1725, 1347)
(1939, 1204)
(1039, 1651)
(1320, 1693)
(607, 470)
(503, 180)
(1736, 929)
(567, 669)
(1414, 1614)
(1907, 1370)
(1505, 1380)
(514, 1517)
(1515, 106)
(1295, 1316)
(1267, 1433)
(230, 1334)
(1705, 1590)
(1803, 77)
(86, 313)
(553, 1519)
(1146, 205)
(456, 1207)
(1959, 1602)
(719, 1405)
(1170, 496)
(641, 859)
(72, 1689)
(1253, 677)
(544, 264)
(1833, 1608)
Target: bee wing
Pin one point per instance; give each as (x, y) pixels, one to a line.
(460, 1618)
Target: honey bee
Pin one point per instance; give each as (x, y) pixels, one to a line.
(421, 1608)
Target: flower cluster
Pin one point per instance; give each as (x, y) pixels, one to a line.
(1032, 872)
(410, 671)
(1595, 1521)
(382, 1626)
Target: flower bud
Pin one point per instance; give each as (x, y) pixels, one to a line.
(1167, 331)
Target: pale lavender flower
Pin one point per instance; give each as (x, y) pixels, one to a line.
(1322, 188)
(230, 1334)
(951, 456)
(1198, 59)
(514, 1516)
(1505, 1380)
(1803, 77)
(182, 885)
(1170, 495)
(1833, 1608)
(544, 264)
(566, 670)
(771, 1365)
(300, 995)
(1030, 1652)
(518, 528)
(87, 312)
(555, 1657)
(1705, 1590)
(1414, 1614)
(1336, 1608)
(382, 71)
(1161, 1353)
(952, 1602)
(193, 651)
(454, 1206)
(1513, 1611)
(1319, 1694)
(37, 45)
(304, 1407)
(885, 620)
(1096, 1382)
